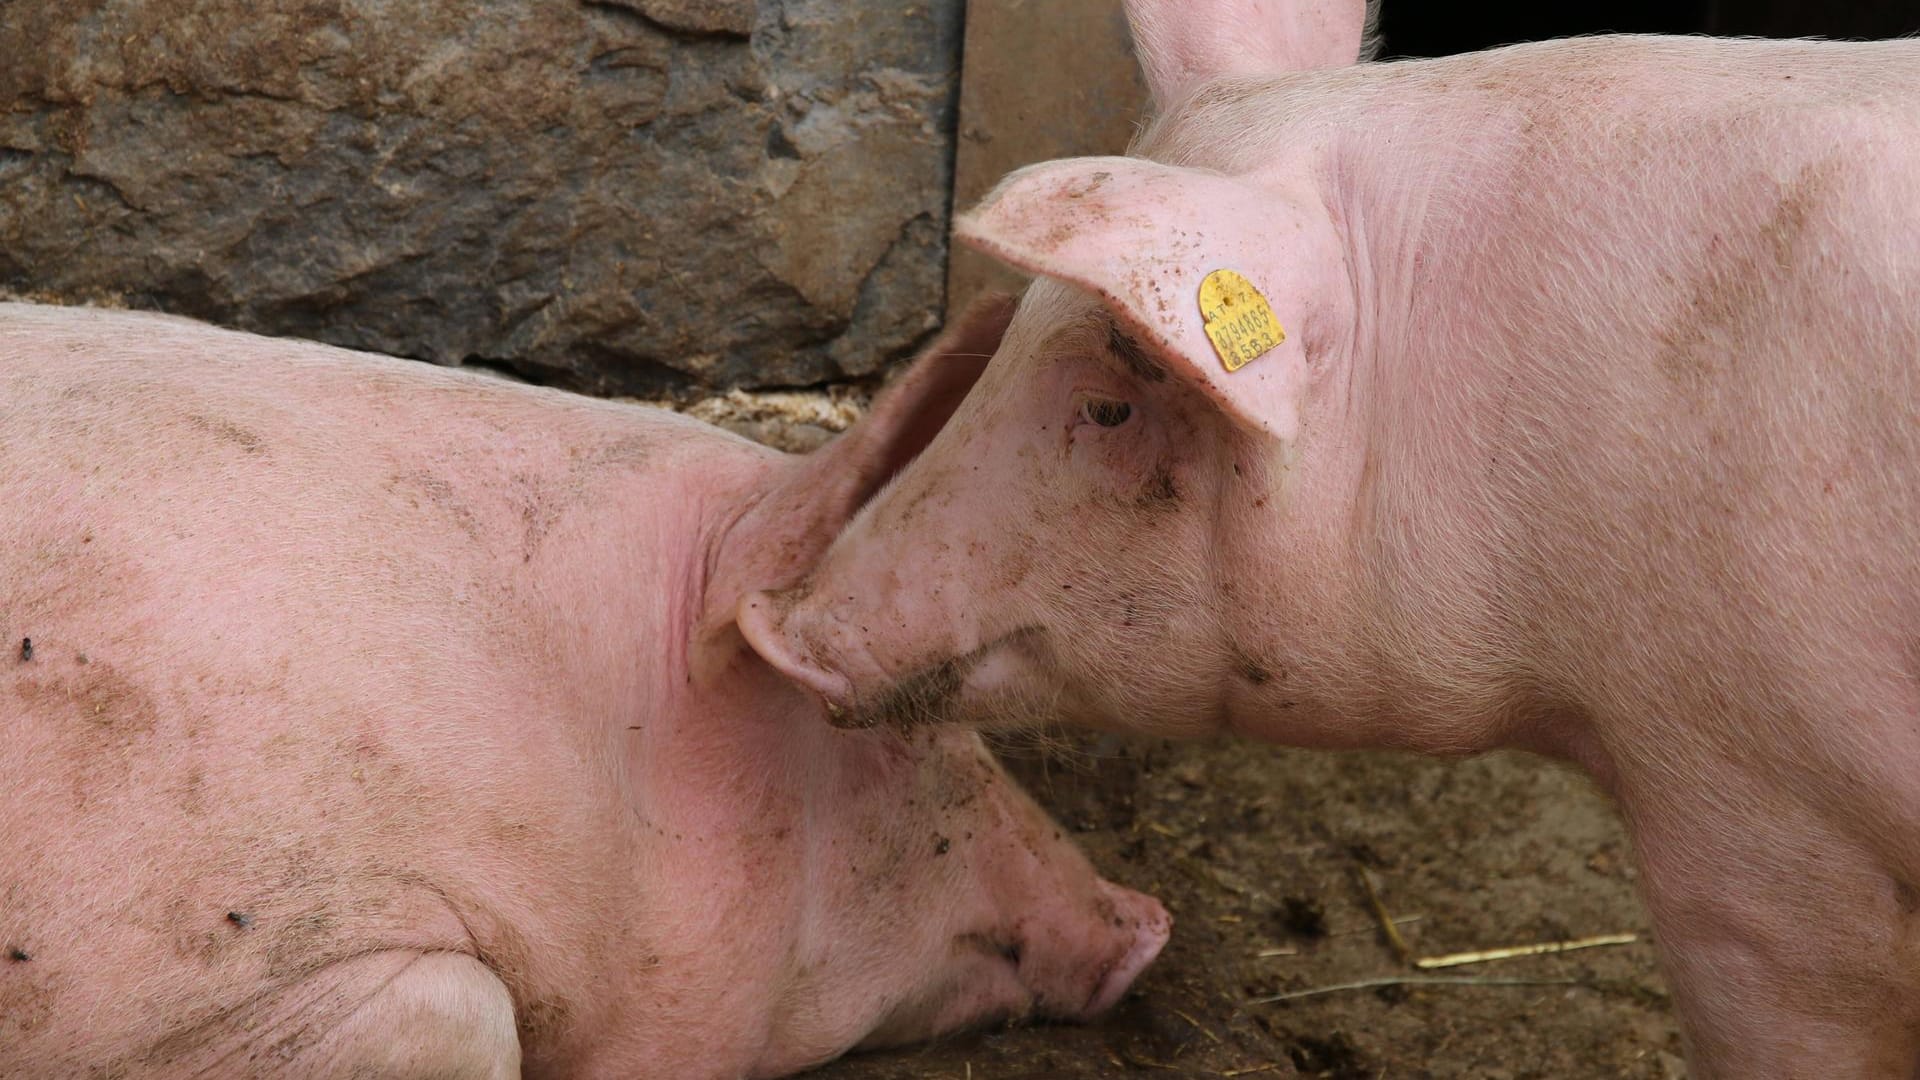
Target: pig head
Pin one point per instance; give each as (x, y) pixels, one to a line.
(1082, 539)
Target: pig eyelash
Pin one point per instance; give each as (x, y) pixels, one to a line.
(1105, 412)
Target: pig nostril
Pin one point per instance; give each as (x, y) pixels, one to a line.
(1011, 952)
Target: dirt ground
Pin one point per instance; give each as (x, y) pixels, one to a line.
(1258, 853)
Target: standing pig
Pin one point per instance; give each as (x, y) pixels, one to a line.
(382, 720)
(1563, 397)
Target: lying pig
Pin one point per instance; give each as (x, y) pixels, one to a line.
(383, 720)
(1563, 397)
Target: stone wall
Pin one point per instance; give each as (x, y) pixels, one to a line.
(620, 196)
(623, 197)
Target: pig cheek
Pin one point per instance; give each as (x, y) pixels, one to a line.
(1134, 642)
(1112, 469)
(953, 971)
(895, 881)
(973, 990)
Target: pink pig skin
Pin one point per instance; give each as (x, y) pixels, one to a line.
(1596, 432)
(383, 720)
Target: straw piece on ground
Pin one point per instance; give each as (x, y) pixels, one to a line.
(1371, 928)
(1141, 1061)
(1394, 941)
(1197, 1026)
(1481, 956)
(1409, 980)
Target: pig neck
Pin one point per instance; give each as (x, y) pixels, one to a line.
(775, 527)
(1426, 648)
(706, 734)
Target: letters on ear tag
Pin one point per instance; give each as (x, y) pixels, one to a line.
(1239, 321)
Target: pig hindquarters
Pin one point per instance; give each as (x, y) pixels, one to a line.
(383, 720)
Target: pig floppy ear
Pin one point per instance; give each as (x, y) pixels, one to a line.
(1239, 286)
(779, 538)
(1182, 43)
(914, 407)
(836, 480)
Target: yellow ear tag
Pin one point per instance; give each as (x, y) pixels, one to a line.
(1239, 321)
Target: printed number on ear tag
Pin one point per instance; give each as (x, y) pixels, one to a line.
(1239, 321)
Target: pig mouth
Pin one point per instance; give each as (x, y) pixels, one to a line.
(933, 693)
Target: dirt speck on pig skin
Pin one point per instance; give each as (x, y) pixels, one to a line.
(1161, 493)
(924, 697)
(102, 698)
(26, 649)
(1739, 276)
(105, 720)
(226, 431)
(28, 994)
(540, 1019)
(1251, 669)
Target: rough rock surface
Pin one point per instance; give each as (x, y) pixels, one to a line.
(1037, 84)
(623, 197)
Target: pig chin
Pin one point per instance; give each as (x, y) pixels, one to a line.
(997, 685)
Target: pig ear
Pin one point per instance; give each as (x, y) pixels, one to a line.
(1233, 284)
(1182, 43)
(812, 498)
(840, 477)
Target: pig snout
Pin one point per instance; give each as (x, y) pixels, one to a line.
(768, 622)
(1074, 965)
(1057, 961)
(1143, 926)
(1017, 921)
(1076, 940)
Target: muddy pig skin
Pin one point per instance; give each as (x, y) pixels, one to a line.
(388, 721)
(1594, 431)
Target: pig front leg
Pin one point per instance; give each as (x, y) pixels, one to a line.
(1789, 945)
(394, 1014)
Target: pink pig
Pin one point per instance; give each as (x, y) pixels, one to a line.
(365, 719)
(1574, 406)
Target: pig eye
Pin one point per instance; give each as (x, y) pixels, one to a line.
(1105, 412)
